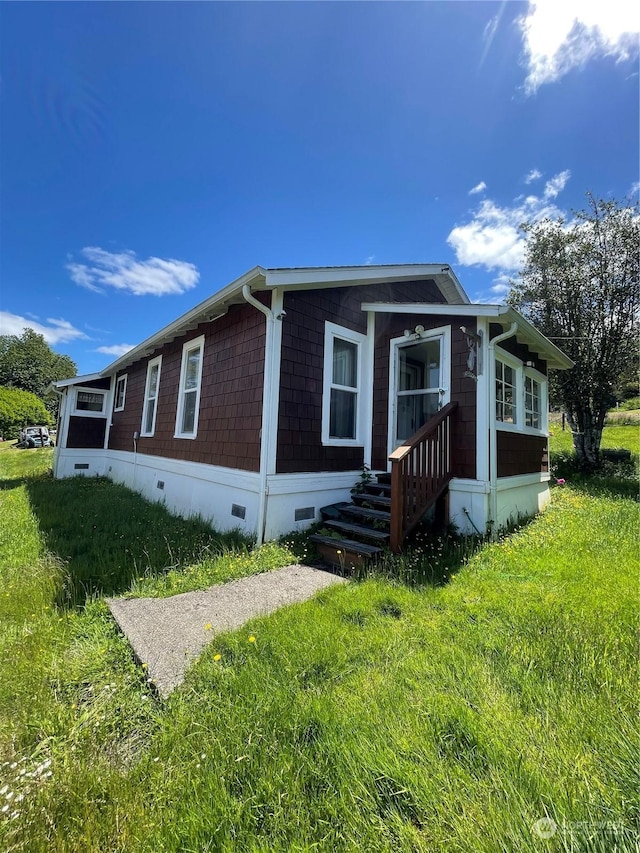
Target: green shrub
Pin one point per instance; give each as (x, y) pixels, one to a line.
(630, 405)
(20, 408)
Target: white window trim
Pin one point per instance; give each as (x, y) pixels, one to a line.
(83, 413)
(516, 365)
(189, 345)
(150, 366)
(120, 379)
(443, 332)
(331, 332)
(521, 370)
(543, 382)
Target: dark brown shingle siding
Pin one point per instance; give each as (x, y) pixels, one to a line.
(230, 400)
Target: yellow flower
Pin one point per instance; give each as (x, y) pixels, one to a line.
(207, 627)
(217, 657)
(144, 665)
(252, 639)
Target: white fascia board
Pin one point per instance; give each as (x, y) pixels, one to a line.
(537, 341)
(190, 320)
(434, 308)
(318, 277)
(503, 314)
(76, 380)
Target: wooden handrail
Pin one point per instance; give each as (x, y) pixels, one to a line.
(420, 473)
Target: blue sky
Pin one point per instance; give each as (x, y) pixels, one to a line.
(153, 152)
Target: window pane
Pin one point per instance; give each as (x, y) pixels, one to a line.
(342, 414)
(192, 368)
(345, 363)
(419, 366)
(414, 410)
(151, 407)
(189, 411)
(153, 381)
(87, 402)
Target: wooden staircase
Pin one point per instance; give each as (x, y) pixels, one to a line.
(363, 526)
(387, 509)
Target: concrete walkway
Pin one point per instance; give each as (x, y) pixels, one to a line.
(169, 633)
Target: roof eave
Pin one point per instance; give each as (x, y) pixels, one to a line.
(208, 309)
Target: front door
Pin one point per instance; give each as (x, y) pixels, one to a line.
(420, 384)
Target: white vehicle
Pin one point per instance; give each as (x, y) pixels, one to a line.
(35, 436)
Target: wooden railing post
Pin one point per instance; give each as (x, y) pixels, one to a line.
(420, 472)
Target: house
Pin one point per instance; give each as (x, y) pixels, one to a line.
(262, 404)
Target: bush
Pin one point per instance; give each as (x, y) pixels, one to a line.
(20, 408)
(630, 405)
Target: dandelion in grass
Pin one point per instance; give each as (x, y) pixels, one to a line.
(217, 657)
(252, 639)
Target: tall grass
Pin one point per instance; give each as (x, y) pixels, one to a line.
(449, 717)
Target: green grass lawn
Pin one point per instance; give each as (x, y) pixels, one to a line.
(448, 717)
(612, 437)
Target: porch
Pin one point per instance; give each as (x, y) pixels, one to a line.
(386, 510)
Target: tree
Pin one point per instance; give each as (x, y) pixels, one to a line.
(579, 285)
(18, 409)
(27, 362)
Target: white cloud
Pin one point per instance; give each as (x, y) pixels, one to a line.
(635, 189)
(555, 185)
(115, 349)
(492, 238)
(54, 331)
(533, 175)
(479, 188)
(123, 271)
(559, 36)
(370, 260)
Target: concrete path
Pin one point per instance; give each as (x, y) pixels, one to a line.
(169, 633)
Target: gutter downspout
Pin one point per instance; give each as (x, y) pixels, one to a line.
(267, 408)
(493, 436)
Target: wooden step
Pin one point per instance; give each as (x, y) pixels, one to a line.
(347, 544)
(384, 478)
(344, 553)
(364, 512)
(358, 530)
(378, 488)
(376, 500)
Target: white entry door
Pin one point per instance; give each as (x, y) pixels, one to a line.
(420, 383)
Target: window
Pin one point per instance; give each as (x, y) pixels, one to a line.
(151, 389)
(121, 390)
(532, 403)
(90, 402)
(521, 396)
(342, 385)
(506, 393)
(189, 394)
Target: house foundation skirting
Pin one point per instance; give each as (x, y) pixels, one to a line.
(225, 497)
(517, 497)
(228, 498)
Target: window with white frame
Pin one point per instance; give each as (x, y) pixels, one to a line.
(89, 403)
(506, 393)
(151, 390)
(121, 391)
(532, 403)
(342, 385)
(521, 396)
(189, 393)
